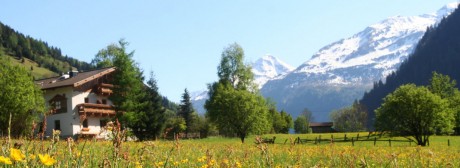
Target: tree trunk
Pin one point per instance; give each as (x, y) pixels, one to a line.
(421, 143)
(242, 138)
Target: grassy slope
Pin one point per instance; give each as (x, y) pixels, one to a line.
(37, 72)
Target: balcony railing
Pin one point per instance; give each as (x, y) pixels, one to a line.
(90, 109)
(105, 89)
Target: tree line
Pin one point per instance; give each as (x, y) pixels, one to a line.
(23, 46)
(234, 109)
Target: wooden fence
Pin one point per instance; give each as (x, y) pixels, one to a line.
(369, 138)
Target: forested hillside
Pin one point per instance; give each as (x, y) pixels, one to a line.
(438, 50)
(32, 53)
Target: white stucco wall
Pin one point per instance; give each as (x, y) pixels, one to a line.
(93, 122)
(67, 119)
(70, 121)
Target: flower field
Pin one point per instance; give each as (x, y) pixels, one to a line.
(226, 152)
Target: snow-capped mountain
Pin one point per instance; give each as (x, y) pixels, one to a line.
(381, 47)
(269, 67)
(266, 68)
(340, 72)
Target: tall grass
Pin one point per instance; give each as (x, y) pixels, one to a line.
(230, 152)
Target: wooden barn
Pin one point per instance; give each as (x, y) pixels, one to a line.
(322, 127)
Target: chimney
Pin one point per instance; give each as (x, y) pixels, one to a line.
(73, 73)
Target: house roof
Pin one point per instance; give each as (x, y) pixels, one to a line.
(321, 124)
(81, 78)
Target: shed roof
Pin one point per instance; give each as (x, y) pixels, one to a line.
(321, 124)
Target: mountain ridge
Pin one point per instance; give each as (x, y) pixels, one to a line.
(342, 71)
(437, 51)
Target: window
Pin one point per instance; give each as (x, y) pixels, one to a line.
(57, 105)
(86, 100)
(85, 123)
(57, 125)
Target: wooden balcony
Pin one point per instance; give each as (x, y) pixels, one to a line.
(96, 110)
(105, 89)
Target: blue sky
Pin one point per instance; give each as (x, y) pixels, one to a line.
(181, 41)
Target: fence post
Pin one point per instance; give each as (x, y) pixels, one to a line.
(375, 140)
(369, 135)
(357, 138)
(448, 142)
(319, 140)
(332, 138)
(345, 138)
(389, 141)
(352, 142)
(316, 140)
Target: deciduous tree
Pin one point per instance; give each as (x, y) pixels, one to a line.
(20, 97)
(414, 111)
(235, 105)
(445, 87)
(350, 119)
(240, 110)
(301, 126)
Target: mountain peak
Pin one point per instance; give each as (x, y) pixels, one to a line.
(447, 9)
(269, 67)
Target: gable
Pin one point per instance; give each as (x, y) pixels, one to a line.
(58, 104)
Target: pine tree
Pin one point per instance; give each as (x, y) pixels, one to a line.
(152, 118)
(186, 110)
(127, 79)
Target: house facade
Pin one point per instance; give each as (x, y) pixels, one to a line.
(78, 103)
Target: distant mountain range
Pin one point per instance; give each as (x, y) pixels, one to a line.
(341, 72)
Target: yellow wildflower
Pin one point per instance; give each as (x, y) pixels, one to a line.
(212, 162)
(226, 161)
(202, 159)
(238, 164)
(138, 165)
(46, 159)
(159, 164)
(17, 155)
(5, 160)
(184, 161)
